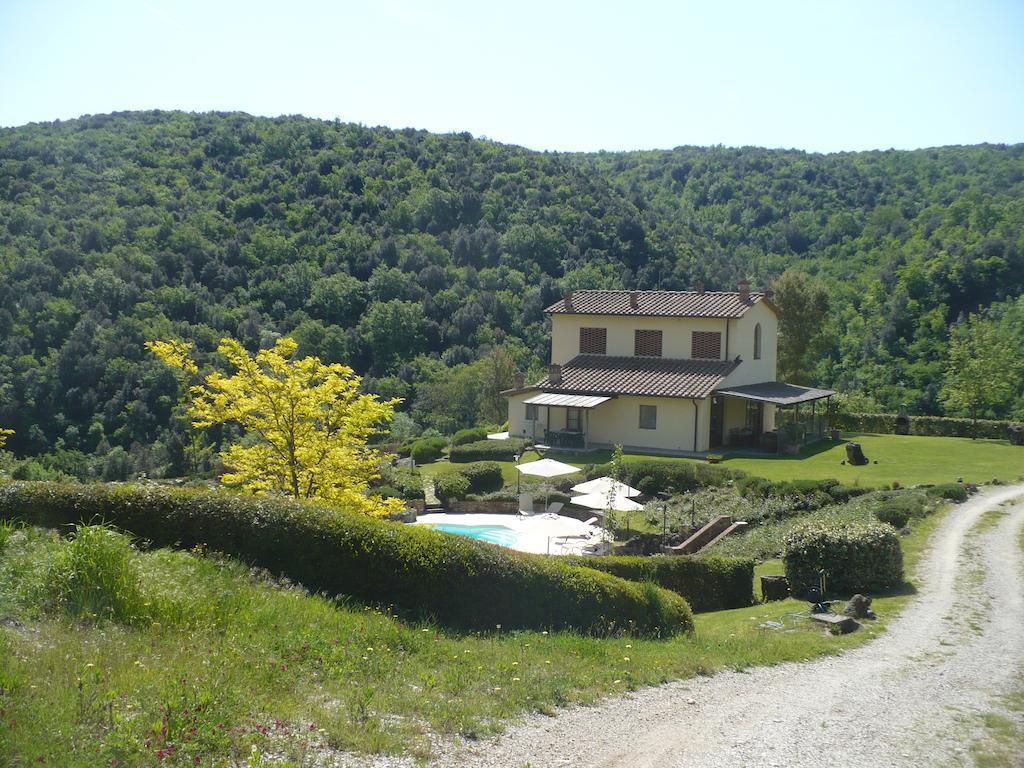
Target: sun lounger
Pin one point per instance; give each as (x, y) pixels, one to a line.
(525, 503)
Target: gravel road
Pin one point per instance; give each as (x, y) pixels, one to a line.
(905, 699)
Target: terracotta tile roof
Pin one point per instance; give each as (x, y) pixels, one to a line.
(654, 377)
(659, 303)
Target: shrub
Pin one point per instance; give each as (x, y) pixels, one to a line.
(487, 450)
(707, 583)
(427, 449)
(951, 491)
(898, 509)
(6, 531)
(856, 556)
(458, 581)
(472, 435)
(808, 494)
(95, 576)
(451, 485)
(402, 483)
(483, 476)
(651, 477)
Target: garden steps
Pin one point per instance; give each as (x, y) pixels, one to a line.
(710, 532)
(739, 525)
(430, 501)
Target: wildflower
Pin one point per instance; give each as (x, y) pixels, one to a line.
(625, 658)
(547, 661)
(515, 663)
(515, 679)
(616, 682)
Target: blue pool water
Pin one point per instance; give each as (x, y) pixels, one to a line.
(494, 534)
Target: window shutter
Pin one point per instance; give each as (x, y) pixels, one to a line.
(593, 341)
(647, 343)
(707, 345)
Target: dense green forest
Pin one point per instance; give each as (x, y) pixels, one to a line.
(425, 261)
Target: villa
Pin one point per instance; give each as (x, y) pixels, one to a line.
(675, 372)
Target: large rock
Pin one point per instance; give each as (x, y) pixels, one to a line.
(855, 454)
(859, 607)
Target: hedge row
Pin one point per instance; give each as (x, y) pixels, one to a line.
(856, 557)
(486, 450)
(651, 477)
(457, 581)
(806, 494)
(933, 426)
(427, 449)
(471, 435)
(707, 583)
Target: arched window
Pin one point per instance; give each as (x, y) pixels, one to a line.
(757, 341)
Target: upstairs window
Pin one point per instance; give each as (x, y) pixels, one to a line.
(593, 341)
(648, 417)
(757, 341)
(707, 345)
(646, 343)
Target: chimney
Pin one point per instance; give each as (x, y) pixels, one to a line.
(554, 374)
(519, 379)
(699, 287)
(568, 302)
(744, 291)
(634, 299)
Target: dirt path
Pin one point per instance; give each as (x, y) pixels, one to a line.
(906, 699)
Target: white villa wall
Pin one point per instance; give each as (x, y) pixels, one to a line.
(618, 422)
(741, 343)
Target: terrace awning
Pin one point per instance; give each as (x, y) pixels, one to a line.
(776, 392)
(566, 401)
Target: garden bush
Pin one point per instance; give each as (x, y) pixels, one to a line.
(472, 435)
(708, 583)
(449, 486)
(487, 450)
(483, 476)
(950, 491)
(651, 477)
(856, 556)
(402, 483)
(899, 508)
(459, 582)
(427, 449)
(809, 494)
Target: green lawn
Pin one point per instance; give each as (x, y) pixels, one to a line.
(906, 459)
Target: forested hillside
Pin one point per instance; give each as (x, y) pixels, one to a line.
(425, 261)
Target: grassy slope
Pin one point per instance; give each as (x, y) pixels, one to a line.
(272, 667)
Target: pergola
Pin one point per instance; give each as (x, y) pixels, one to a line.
(789, 398)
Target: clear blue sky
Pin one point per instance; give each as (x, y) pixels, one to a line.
(821, 76)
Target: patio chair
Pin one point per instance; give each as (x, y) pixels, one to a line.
(554, 508)
(525, 503)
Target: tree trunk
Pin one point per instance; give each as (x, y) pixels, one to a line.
(974, 422)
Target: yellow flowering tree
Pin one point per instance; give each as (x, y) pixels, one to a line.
(4, 434)
(306, 423)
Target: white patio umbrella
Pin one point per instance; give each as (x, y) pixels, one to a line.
(546, 468)
(606, 485)
(613, 502)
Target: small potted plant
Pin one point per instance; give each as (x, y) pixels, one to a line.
(714, 458)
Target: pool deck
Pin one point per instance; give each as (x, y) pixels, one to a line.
(542, 534)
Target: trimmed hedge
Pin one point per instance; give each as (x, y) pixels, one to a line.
(486, 450)
(458, 581)
(708, 583)
(651, 477)
(451, 485)
(856, 556)
(483, 476)
(808, 494)
(931, 426)
(472, 435)
(427, 449)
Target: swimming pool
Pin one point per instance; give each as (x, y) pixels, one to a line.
(493, 534)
